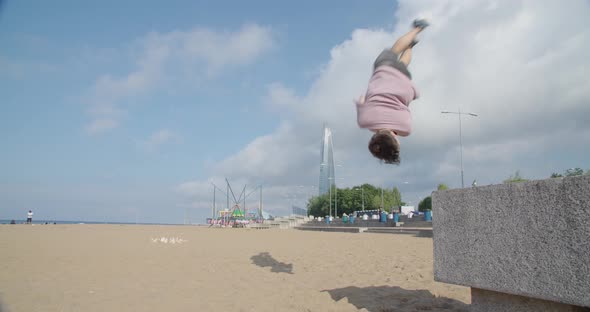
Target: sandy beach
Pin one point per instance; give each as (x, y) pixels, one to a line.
(121, 268)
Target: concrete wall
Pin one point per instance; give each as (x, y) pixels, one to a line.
(530, 239)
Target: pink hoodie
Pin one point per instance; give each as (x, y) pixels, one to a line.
(387, 102)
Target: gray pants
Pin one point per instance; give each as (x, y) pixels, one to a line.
(387, 57)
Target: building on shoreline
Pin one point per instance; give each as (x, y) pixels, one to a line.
(327, 162)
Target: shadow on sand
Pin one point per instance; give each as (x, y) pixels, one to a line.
(393, 298)
(264, 259)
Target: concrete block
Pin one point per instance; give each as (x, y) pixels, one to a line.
(528, 239)
(491, 301)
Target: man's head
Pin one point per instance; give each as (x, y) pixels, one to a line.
(385, 146)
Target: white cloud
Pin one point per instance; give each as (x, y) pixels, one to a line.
(18, 69)
(100, 125)
(281, 97)
(520, 65)
(161, 137)
(221, 49)
(200, 51)
(106, 116)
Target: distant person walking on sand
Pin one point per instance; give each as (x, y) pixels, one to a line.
(30, 217)
(385, 108)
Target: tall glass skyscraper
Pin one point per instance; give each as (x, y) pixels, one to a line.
(327, 163)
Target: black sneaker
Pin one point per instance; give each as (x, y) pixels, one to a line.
(421, 23)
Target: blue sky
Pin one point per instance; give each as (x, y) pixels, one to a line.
(52, 53)
(65, 36)
(113, 109)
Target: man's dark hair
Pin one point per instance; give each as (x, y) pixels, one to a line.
(384, 147)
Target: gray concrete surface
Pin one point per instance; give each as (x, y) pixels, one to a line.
(418, 232)
(417, 221)
(491, 301)
(530, 239)
(332, 229)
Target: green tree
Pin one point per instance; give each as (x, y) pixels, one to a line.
(515, 178)
(346, 200)
(442, 187)
(349, 200)
(318, 206)
(425, 204)
(396, 197)
(360, 193)
(376, 201)
(391, 199)
(356, 198)
(556, 175)
(574, 172)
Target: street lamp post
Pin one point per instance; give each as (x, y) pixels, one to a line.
(460, 137)
(336, 198)
(330, 204)
(336, 203)
(362, 197)
(382, 205)
(332, 182)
